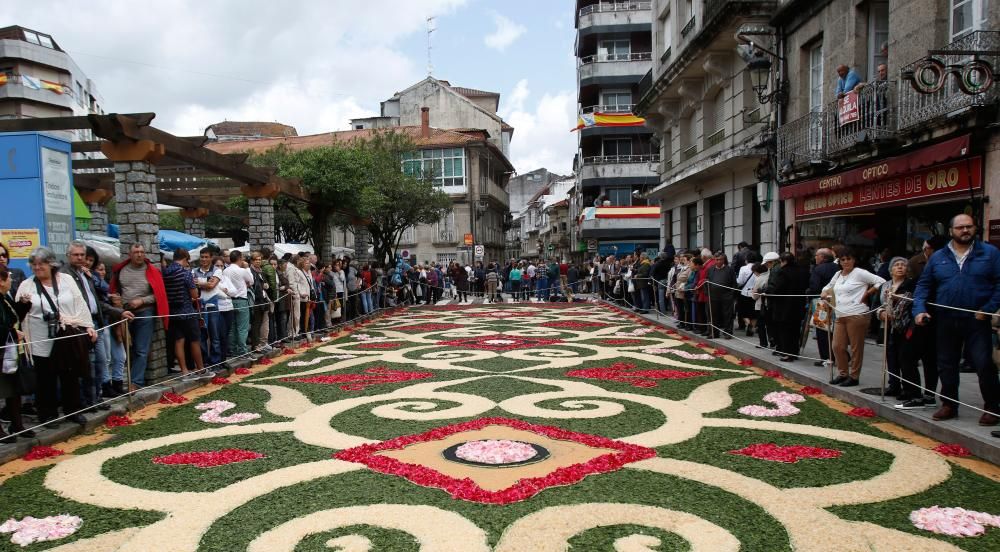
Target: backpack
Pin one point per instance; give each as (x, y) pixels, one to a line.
(396, 279)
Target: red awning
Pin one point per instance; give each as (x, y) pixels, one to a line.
(956, 148)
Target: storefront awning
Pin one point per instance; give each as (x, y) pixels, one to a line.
(591, 213)
(956, 148)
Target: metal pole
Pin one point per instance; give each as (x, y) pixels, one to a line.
(711, 318)
(128, 365)
(885, 352)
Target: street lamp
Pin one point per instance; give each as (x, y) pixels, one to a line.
(760, 66)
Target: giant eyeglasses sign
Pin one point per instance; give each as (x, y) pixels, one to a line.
(930, 74)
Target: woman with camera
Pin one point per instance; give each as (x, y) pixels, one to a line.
(60, 331)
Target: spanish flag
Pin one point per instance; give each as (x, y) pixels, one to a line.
(53, 86)
(3, 79)
(608, 120)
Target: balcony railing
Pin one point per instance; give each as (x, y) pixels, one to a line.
(666, 54)
(688, 153)
(614, 7)
(820, 134)
(605, 58)
(603, 108)
(599, 159)
(491, 189)
(916, 108)
(715, 138)
(688, 27)
(445, 236)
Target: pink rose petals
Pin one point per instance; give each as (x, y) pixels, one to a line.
(31, 529)
(614, 342)
(169, 397)
(954, 522)
(216, 408)
(785, 454)
(953, 449)
(496, 451)
(208, 459)
(42, 452)
(783, 400)
(860, 412)
(115, 420)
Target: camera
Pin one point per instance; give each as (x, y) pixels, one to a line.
(52, 323)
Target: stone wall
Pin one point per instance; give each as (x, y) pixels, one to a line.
(98, 218)
(195, 226)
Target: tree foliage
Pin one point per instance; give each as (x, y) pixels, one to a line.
(357, 183)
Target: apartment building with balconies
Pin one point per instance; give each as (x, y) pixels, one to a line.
(615, 164)
(710, 128)
(886, 164)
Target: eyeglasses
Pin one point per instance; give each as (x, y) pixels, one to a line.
(964, 227)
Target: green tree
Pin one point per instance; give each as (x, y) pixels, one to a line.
(360, 183)
(171, 220)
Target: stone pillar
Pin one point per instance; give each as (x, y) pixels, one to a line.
(362, 241)
(97, 202)
(138, 220)
(194, 221)
(260, 208)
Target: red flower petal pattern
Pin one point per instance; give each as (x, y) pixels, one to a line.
(41, 452)
(208, 459)
(786, 454)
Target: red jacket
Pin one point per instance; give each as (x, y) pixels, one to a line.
(702, 295)
(155, 279)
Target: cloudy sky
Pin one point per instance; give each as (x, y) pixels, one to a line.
(316, 64)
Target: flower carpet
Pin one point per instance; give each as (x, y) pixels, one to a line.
(502, 428)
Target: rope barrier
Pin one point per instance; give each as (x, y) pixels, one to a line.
(128, 394)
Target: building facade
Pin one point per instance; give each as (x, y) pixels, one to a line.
(468, 150)
(711, 129)
(523, 188)
(886, 166)
(614, 165)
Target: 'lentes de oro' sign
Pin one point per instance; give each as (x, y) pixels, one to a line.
(938, 180)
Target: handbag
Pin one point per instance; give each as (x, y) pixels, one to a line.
(10, 360)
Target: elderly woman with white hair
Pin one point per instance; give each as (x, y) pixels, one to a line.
(60, 331)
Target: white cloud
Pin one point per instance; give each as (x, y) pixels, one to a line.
(505, 34)
(542, 136)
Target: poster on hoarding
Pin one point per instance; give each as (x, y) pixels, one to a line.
(847, 109)
(58, 195)
(20, 242)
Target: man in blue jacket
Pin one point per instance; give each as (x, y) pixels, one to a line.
(963, 279)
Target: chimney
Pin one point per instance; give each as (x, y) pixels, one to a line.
(425, 122)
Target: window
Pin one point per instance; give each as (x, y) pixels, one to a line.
(446, 258)
(878, 36)
(39, 39)
(616, 101)
(619, 197)
(445, 166)
(967, 16)
(359, 127)
(716, 222)
(614, 50)
(616, 146)
(31, 37)
(664, 34)
(446, 228)
(408, 236)
(816, 78)
(691, 218)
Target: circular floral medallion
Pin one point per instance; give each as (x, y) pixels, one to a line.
(496, 453)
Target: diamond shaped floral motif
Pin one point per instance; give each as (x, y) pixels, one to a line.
(499, 342)
(420, 458)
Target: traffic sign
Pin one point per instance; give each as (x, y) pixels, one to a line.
(480, 251)
(591, 245)
(552, 247)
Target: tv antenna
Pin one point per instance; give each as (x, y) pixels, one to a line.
(431, 27)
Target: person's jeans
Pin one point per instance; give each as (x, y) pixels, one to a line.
(240, 328)
(117, 351)
(211, 336)
(543, 289)
(366, 301)
(102, 357)
(975, 335)
(281, 324)
(661, 297)
(823, 343)
(645, 297)
(142, 336)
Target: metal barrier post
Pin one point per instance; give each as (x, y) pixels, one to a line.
(128, 365)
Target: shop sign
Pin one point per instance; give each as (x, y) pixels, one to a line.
(946, 178)
(468, 239)
(847, 108)
(994, 227)
(956, 148)
(20, 241)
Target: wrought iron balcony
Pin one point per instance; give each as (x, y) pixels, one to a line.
(596, 159)
(601, 108)
(688, 27)
(945, 74)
